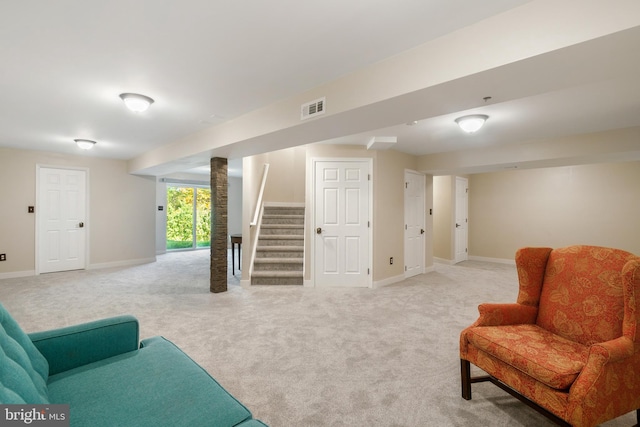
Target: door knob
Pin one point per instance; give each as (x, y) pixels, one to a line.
(457, 225)
(81, 225)
(318, 230)
(422, 231)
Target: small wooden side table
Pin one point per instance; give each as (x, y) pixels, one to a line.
(236, 239)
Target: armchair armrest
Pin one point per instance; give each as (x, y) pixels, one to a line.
(613, 350)
(505, 314)
(73, 346)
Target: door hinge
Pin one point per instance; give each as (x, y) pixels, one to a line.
(405, 268)
(465, 250)
(406, 185)
(368, 177)
(405, 226)
(368, 224)
(466, 190)
(368, 271)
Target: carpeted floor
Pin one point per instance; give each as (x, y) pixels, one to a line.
(301, 356)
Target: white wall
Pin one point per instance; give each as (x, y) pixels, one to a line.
(121, 210)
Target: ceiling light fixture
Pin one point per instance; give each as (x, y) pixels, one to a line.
(471, 123)
(136, 102)
(85, 144)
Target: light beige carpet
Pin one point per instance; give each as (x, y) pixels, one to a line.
(302, 356)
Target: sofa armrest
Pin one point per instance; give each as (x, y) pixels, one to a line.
(73, 346)
(609, 365)
(505, 314)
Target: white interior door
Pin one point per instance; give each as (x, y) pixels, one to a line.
(414, 223)
(61, 212)
(341, 225)
(461, 214)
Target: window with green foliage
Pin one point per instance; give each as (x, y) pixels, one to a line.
(188, 217)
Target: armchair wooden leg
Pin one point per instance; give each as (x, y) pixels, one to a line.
(465, 376)
(638, 417)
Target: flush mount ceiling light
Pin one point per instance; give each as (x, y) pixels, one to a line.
(85, 144)
(471, 123)
(136, 102)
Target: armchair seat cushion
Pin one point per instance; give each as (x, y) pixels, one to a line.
(547, 357)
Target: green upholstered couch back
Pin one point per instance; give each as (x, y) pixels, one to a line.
(23, 370)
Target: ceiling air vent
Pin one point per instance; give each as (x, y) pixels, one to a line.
(312, 109)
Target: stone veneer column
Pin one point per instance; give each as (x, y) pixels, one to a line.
(219, 189)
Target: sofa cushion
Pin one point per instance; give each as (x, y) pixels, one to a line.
(23, 370)
(549, 358)
(153, 386)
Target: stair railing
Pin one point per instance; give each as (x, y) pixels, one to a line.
(258, 208)
(257, 219)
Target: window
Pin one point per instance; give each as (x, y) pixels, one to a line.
(188, 217)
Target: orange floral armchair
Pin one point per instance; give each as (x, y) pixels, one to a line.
(570, 345)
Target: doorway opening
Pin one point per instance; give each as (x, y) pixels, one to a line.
(188, 217)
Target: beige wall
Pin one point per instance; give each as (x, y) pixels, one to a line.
(595, 204)
(121, 210)
(443, 200)
(234, 206)
(388, 205)
(286, 187)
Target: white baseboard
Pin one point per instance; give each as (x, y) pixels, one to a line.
(245, 283)
(443, 261)
(496, 260)
(123, 263)
(15, 274)
(307, 283)
(430, 269)
(388, 281)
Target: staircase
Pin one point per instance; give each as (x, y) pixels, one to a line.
(280, 249)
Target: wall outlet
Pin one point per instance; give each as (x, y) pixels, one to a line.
(3, 257)
(391, 261)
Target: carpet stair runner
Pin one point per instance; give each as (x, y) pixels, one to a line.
(280, 250)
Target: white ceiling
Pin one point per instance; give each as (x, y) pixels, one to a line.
(204, 62)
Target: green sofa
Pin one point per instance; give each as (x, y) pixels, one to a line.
(108, 378)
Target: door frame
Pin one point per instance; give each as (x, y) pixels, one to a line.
(310, 218)
(424, 221)
(87, 205)
(460, 180)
